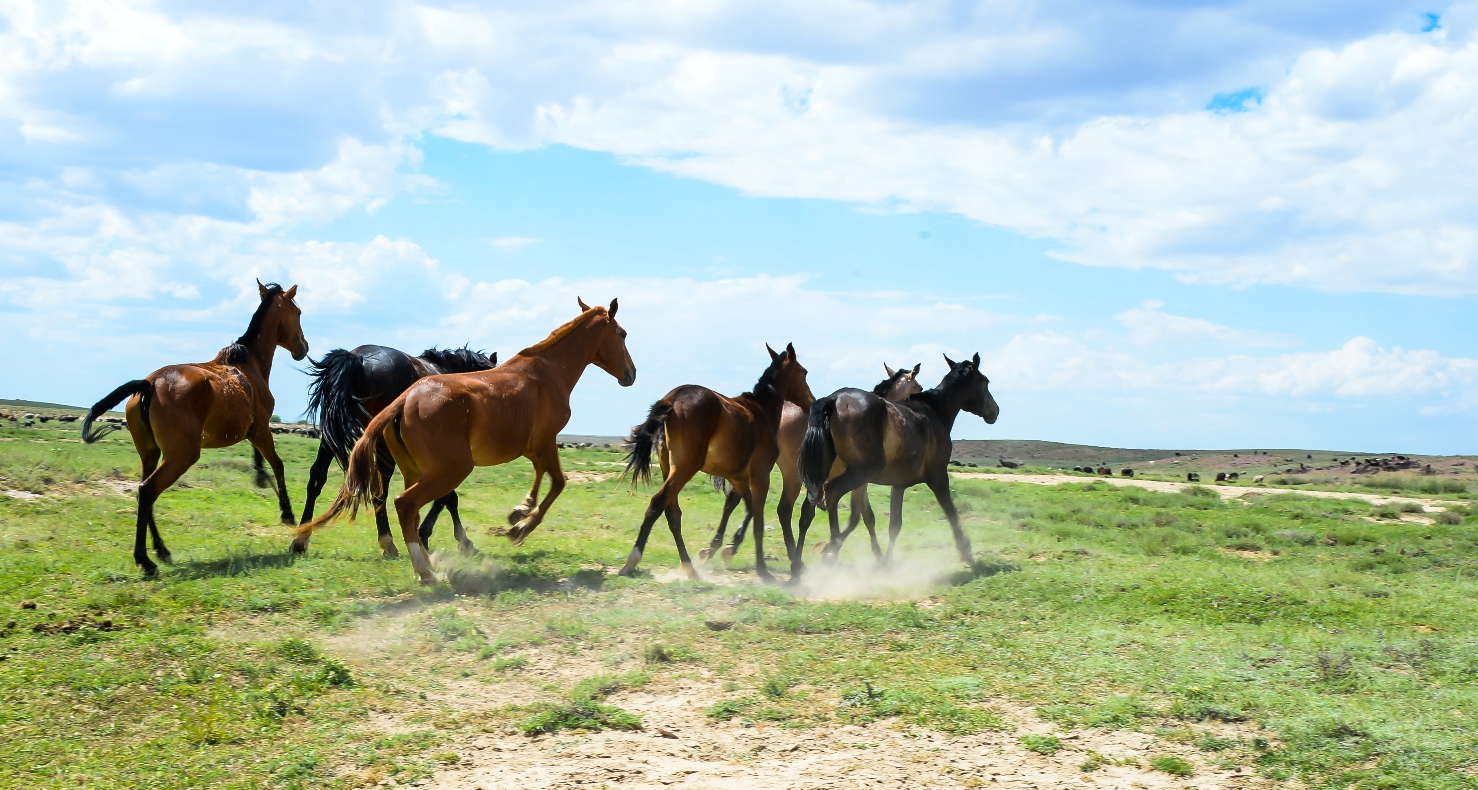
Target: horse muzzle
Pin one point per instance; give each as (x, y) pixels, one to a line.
(628, 377)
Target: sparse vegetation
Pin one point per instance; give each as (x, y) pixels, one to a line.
(1343, 648)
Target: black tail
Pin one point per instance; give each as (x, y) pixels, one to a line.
(643, 439)
(332, 405)
(818, 450)
(144, 389)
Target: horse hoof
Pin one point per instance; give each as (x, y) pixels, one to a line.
(516, 536)
(391, 553)
(519, 514)
(298, 547)
(726, 554)
(290, 520)
(151, 571)
(428, 581)
(468, 549)
(165, 557)
(704, 554)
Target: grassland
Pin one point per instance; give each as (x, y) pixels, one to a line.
(1311, 642)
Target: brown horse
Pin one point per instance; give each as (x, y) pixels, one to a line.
(442, 427)
(897, 386)
(695, 429)
(180, 409)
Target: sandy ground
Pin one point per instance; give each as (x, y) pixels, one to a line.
(681, 748)
(1226, 492)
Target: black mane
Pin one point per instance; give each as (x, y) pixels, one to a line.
(881, 390)
(767, 379)
(237, 352)
(459, 360)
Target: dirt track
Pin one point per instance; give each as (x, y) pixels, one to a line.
(1226, 492)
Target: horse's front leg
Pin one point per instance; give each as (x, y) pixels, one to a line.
(545, 461)
(521, 513)
(731, 501)
(759, 491)
(261, 439)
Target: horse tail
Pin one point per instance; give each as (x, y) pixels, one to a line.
(360, 476)
(142, 388)
(331, 402)
(818, 450)
(643, 439)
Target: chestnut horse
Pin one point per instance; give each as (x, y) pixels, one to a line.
(855, 438)
(694, 429)
(442, 427)
(348, 389)
(897, 386)
(180, 409)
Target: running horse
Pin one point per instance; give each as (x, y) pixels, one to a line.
(348, 389)
(442, 427)
(177, 410)
(856, 437)
(898, 385)
(694, 429)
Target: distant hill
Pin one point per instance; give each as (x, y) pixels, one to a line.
(1056, 453)
(32, 404)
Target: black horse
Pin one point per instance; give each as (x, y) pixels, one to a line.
(856, 437)
(349, 388)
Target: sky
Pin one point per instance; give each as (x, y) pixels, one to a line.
(1178, 225)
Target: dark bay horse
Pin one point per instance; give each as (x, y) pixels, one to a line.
(898, 385)
(348, 389)
(694, 429)
(178, 410)
(855, 438)
(443, 426)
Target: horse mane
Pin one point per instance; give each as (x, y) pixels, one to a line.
(767, 379)
(881, 390)
(238, 352)
(458, 360)
(560, 333)
(936, 397)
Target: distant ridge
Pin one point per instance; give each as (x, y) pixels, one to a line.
(34, 404)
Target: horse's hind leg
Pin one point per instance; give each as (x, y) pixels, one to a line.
(449, 503)
(666, 495)
(940, 487)
(727, 555)
(731, 501)
(174, 466)
(895, 521)
(430, 487)
(150, 460)
(317, 477)
(385, 468)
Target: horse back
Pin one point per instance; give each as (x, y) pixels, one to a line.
(871, 431)
(382, 375)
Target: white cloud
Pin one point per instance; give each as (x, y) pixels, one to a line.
(512, 243)
(1148, 324)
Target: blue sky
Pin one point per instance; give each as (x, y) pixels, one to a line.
(1218, 224)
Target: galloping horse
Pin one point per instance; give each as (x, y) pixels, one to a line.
(695, 429)
(442, 427)
(898, 385)
(348, 389)
(180, 409)
(855, 438)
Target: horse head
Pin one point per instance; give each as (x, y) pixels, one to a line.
(974, 388)
(789, 377)
(611, 354)
(288, 318)
(900, 383)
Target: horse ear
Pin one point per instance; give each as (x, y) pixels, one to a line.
(952, 364)
(891, 372)
(261, 289)
(790, 349)
(583, 306)
(916, 369)
(615, 303)
(976, 360)
(291, 292)
(494, 359)
(773, 355)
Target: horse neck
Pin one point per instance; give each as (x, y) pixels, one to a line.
(264, 347)
(569, 355)
(898, 391)
(946, 404)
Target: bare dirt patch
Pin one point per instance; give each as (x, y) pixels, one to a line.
(680, 747)
(588, 477)
(1225, 492)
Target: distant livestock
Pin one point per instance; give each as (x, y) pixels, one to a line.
(1221, 477)
(1105, 471)
(1127, 472)
(1008, 464)
(1192, 477)
(1257, 479)
(1233, 475)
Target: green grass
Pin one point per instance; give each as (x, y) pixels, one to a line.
(1345, 650)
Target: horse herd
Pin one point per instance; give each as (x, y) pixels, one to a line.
(439, 415)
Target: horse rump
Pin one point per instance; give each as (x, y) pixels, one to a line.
(818, 451)
(331, 402)
(644, 439)
(141, 387)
